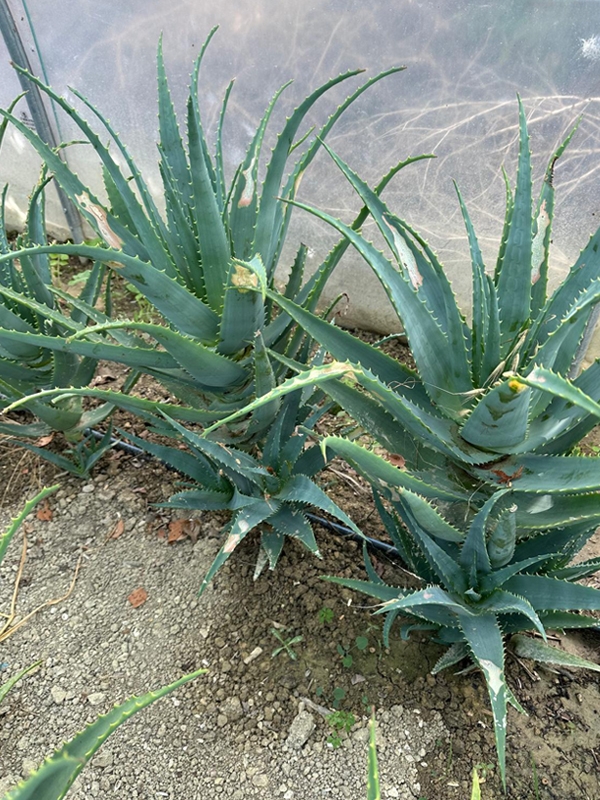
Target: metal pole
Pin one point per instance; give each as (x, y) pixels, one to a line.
(37, 108)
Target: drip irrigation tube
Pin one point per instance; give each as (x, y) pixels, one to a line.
(336, 527)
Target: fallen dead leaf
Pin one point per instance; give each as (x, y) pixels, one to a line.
(183, 529)
(116, 530)
(44, 512)
(44, 440)
(138, 597)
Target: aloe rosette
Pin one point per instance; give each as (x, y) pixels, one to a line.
(269, 492)
(193, 264)
(480, 589)
(493, 404)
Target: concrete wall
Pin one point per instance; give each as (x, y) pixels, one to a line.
(466, 61)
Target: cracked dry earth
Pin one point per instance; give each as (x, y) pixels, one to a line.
(254, 726)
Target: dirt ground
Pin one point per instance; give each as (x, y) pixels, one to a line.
(256, 724)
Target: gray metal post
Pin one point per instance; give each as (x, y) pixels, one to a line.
(37, 108)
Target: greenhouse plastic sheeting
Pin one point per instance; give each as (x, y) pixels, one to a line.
(465, 62)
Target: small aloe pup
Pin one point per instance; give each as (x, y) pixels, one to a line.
(54, 778)
(192, 264)
(496, 403)
(270, 491)
(482, 588)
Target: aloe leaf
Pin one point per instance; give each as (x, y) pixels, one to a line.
(555, 510)
(561, 620)
(229, 457)
(447, 380)
(244, 200)
(214, 244)
(500, 418)
(576, 572)
(289, 521)
(16, 523)
(426, 276)
(300, 489)
(62, 462)
(438, 433)
(186, 312)
(137, 405)
(171, 144)
(485, 333)
(528, 647)
(441, 563)
(56, 775)
(243, 311)
(196, 466)
(283, 213)
(543, 229)
(271, 548)
(514, 280)
(12, 681)
(548, 381)
(453, 655)
(315, 376)
(264, 382)
(498, 577)
(378, 590)
(266, 235)
(312, 290)
(107, 226)
(388, 480)
(484, 639)
(433, 596)
(144, 193)
(343, 346)
(203, 499)
(36, 270)
(557, 351)
(550, 594)
(373, 792)
(245, 521)
(130, 356)
(585, 270)
(90, 292)
(219, 163)
(563, 424)
(209, 369)
(474, 558)
(5, 269)
(546, 474)
(503, 602)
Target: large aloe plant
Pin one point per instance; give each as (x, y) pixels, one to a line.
(493, 404)
(54, 778)
(193, 264)
(480, 588)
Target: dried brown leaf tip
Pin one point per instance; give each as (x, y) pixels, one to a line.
(44, 512)
(138, 597)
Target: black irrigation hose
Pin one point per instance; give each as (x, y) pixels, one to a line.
(132, 450)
